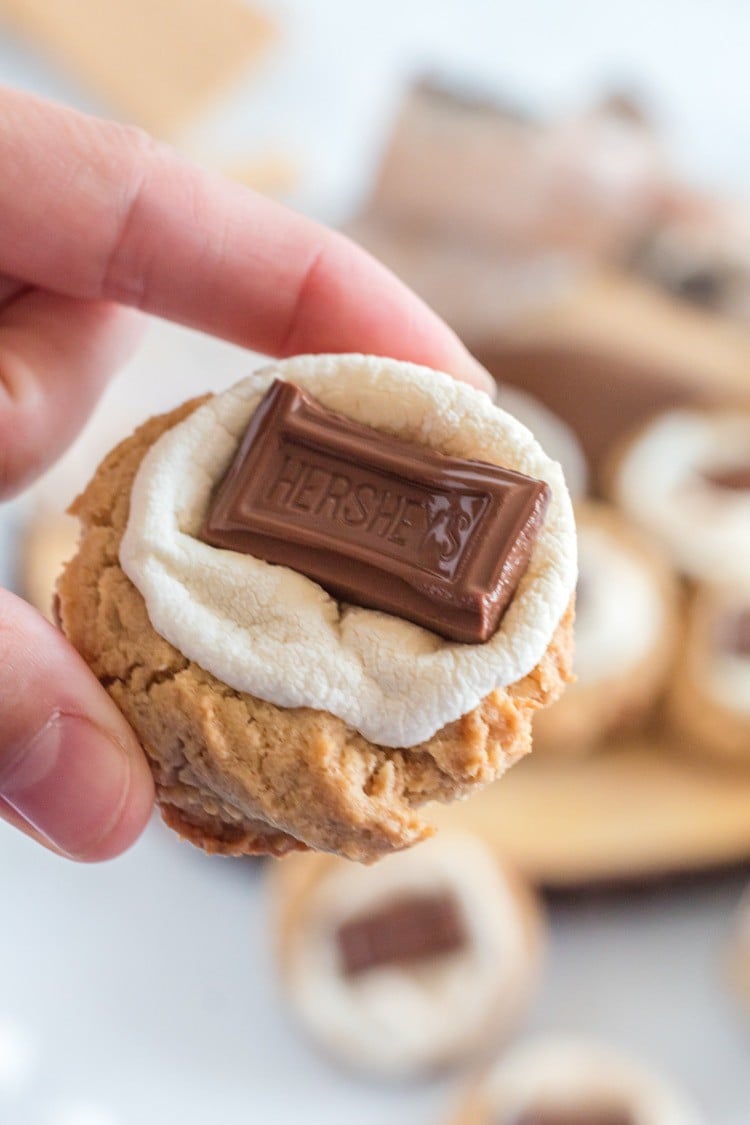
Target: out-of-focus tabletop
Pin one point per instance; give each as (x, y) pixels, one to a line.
(146, 988)
(142, 990)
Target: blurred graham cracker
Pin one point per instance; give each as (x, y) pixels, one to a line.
(271, 173)
(158, 63)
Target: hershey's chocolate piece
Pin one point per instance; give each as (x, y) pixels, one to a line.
(580, 1115)
(734, 633)
(736, 479)
(702, 286)
(375, 520)
(410, 928)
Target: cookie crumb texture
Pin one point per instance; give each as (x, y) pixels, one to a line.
(240, 776)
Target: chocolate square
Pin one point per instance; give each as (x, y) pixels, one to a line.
(583, 1115)
(410, 928)
(377, 521)
(734, 633)
(736, 479)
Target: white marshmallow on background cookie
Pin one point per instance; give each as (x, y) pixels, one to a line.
(685, 479)
(626, 632)
(553, 434)
(572, 1081)
(408, 966)
(709, 704)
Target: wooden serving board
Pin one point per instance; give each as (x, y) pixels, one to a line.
(607, 355)
(635, 814)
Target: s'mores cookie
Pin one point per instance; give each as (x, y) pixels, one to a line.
(561, 1081)
(409, 966)
(626, 630)
(322, 598)
(685, 478)
(709, 704)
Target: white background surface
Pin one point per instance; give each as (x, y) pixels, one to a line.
(142, 992)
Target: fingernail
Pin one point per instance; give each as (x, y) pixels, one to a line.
(70, 782)
(480, 377)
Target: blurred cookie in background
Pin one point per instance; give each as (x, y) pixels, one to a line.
(685, 479)
(556, 437)
(626, 631)
(404, 968)
(709, 704)
(570, 1081)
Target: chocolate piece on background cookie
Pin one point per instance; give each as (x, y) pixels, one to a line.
(410, 929)
(709, 703)
(682, 479)
(605, 1114)
(701, 254)
(740, 950)
(274, 716)
(410, 966)
(626, 633)
(571, 1081)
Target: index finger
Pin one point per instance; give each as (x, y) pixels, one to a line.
(99, 211)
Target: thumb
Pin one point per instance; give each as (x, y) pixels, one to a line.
(71, 771)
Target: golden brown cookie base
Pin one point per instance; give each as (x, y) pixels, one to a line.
(238, 775)
(705, 726)
(217, 838)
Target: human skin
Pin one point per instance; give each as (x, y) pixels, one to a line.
(98, 225)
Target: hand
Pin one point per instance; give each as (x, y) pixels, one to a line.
(96, 222)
